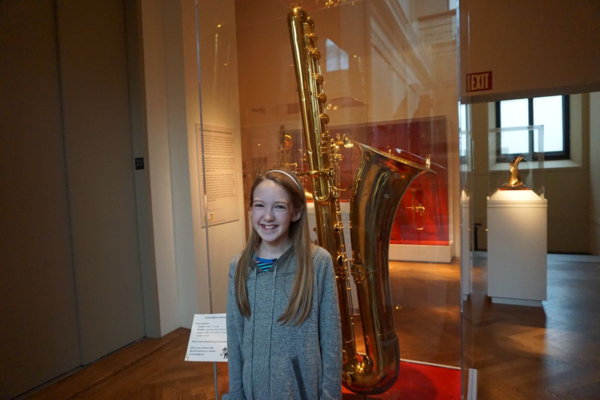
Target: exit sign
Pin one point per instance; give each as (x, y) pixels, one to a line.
(479, 81)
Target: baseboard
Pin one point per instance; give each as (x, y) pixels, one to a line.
(428, 363)
(472, 385)
(516, 302)
(421, 253)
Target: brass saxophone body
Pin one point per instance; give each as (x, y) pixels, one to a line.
(379, 186)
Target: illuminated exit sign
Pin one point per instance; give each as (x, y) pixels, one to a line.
(479, 81)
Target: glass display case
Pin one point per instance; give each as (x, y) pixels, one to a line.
(385, 80)
(517, 215)
(516, 161)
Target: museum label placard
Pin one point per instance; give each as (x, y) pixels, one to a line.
(208, 338)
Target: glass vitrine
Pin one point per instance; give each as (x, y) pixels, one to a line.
(388, 73)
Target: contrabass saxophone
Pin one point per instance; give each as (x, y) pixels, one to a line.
(379, 186)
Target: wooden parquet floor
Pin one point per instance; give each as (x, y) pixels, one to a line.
(549, 352)
(149, 369)
(519, 352)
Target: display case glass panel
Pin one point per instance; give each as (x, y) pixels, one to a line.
(389, 76)
(521, 242)
(516, 159)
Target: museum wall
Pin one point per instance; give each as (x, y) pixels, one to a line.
(192, 260)
(219, 111)
(102, 203)
(568, 215)
(155, 81)
(560, 56)
(35, 236)
(71, 256)
(139, 139)
(594, 214)
(182, 113)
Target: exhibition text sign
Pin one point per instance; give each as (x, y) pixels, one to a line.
(217, 166)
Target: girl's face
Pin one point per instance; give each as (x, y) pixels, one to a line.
(272, 213)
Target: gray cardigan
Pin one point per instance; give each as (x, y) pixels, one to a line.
(268, 360)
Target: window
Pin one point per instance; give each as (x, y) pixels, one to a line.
(552, 112)
(463, 123)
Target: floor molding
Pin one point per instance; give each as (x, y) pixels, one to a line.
(472, 386)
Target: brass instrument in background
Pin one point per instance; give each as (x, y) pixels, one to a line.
(379, 186)
(284, 150)
(417, 210)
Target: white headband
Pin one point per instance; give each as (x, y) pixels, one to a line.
(288, 174)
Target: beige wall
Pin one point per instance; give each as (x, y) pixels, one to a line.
(71, 287)
(37, 290)
(191, 261)
(220, 108)
(102, 205)
(533, 48)
(152, 27)
(594, 151)
(172, 110)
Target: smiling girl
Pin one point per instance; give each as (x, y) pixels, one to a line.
(283, 323)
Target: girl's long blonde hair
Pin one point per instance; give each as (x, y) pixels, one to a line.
(299, 304)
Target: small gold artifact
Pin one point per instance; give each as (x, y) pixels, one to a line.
(515, 179)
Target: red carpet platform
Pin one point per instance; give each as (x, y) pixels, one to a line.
(419, 382)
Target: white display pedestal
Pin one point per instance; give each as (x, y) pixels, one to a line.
(517, 247)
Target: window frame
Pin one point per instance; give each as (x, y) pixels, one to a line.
(565, 154)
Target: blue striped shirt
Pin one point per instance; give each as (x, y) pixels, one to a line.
(264, 263)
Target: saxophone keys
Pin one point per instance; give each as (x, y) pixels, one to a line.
(319, 78)
(316, 54)
(324, 118)
(312, 37)
(322, 97)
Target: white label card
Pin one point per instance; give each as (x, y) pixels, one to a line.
(217, 168)
(208, 339)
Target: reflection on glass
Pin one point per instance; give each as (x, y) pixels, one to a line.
(545, 111)
(390, 80)
(548, 111)
(336, 58)
(514, 113)
(465, 127)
